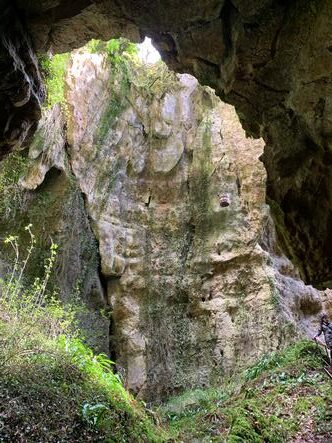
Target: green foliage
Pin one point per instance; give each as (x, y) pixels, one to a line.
(268, 403)
(44, 366)
(12, 168)
(268, 361)
(54, 70)
(115, 49)
(30, 307)
(61, 203)
(301, 351)
(94, 414)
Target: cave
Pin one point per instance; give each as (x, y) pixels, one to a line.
(271, 59)
(189, 203)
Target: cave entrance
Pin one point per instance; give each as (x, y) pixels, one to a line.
(147, 52)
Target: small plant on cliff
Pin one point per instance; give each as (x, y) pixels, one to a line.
(54, 71)
(12, 168)
(115, 49)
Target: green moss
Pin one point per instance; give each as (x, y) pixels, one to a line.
(281, 393)
(274, 294)
(241, 426)
(201, 186)
(12, 201)
(119, 87)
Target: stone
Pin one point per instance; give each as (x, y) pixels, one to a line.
(270, 59)
(47, 148)
(197, 289)
(21, 88)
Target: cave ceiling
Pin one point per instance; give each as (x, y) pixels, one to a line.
(271, 59)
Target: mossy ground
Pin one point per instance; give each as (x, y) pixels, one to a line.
(54, 389)
(285, 397)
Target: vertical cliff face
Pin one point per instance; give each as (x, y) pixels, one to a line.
(271, 59)
(175, 195)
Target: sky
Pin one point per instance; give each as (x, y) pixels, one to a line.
(147, 53)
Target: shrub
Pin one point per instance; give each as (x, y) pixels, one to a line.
(52, 386)
(115, 49)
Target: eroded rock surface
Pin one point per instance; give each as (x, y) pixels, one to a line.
(190, 264)
(21, 88)
(196, 282)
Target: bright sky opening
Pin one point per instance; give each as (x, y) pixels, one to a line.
(147, 53)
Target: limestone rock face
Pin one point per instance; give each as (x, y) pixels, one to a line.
(176, 196)
(47, 148)
(189, 261)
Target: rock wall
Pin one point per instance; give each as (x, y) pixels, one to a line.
(21, 88)
(175, 195)
(40, 190)
(271, 59)
(189, 263)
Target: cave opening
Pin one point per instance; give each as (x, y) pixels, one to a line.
(155, 194)
(159, 140)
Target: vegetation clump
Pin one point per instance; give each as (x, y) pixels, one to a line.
(115, 49)
(54, 71)
(12, 168)
(52, 386)
(282, 397)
